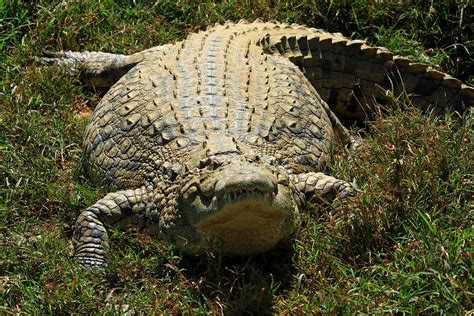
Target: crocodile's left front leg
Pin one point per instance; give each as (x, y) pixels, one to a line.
(319, 187)
(90, 238)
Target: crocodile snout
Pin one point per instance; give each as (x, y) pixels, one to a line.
(239, 208)
(245, 180)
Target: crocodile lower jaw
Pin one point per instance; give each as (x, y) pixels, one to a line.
(245, 227)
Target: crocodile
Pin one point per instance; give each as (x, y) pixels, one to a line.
(219, 141)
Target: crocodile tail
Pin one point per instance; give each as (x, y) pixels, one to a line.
(353, 77)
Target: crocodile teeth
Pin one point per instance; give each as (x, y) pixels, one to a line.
(241, 194)
(214, 203)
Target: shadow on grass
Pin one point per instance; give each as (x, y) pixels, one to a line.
(241, 285)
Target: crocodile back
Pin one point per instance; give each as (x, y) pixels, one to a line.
(216, 82)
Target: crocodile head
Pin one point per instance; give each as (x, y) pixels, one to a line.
(235, 203)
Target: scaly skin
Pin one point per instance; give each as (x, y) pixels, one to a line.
(217, 142)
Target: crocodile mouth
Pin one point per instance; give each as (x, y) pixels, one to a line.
(247, 222)
(239, 208)
(244, 210)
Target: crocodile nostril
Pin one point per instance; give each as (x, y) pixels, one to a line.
(247, 183)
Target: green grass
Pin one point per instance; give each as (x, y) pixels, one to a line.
(406, 247)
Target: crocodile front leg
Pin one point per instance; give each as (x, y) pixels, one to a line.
(90, 238)
(319, 187)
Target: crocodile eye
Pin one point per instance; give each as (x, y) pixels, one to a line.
(270, 160)
(172, 171)
(211, 163)
(203, 163)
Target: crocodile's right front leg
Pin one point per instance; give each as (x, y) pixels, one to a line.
(90, 238)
